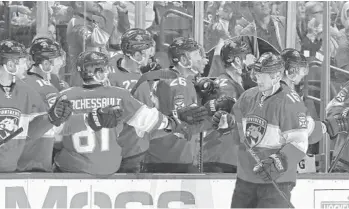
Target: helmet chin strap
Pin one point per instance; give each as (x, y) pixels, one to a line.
(11, 73)
(186, 67)
(48, 73)
(138, 62)
(273, 89)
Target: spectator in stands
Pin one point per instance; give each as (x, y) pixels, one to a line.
(266, 26)
(342, 54)
(87, 31)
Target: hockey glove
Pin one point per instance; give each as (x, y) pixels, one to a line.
(60, 111)
(224, 103)
(223, 122)
(192, 115)
(336, 125)
(107, 117)
(178, 127)
(205, 88)
(275, 165)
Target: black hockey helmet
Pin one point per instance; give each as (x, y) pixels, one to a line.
(91, 62)
(180, 46)
(235, 47)
(268, 63)
(44, 49)
(11, 50)
(293, 59)
(136, 40)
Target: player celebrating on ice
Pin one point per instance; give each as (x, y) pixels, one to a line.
(46, 55)
(138, 47)
(271, 122)
(21, 106)
(97, 151)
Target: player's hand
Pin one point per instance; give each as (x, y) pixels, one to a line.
(179, 127)
(223, 122)
(275, 165)
(205, 87)
(107, 117)
(336, 125)
(192, 115)
(60, 111)
(224, 103)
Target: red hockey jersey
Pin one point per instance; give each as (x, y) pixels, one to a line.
(98, 152)
(226, 150)
(130, 142)
(339, 105)
(172, 94)
(17, 110)
(38, 154)
(270, 124)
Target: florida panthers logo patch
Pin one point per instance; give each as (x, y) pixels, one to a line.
(9, 120)
(341, 96)
(255, 129)
(179, 102)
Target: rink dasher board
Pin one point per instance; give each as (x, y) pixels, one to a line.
(63, 190)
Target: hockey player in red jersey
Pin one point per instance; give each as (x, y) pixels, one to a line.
(220, 152)
(46, 54)
(338, 107)
(173, 154)
(271, 120)
(21, 106)
(96, 150)
(296, 67)
(137, 46)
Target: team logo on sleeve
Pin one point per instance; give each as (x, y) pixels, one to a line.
(255, 129)
(302, 118)
(9, 120)
(342, 95)
(179, 102)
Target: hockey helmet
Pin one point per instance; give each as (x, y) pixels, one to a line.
(292, 58)
(91, 62)
(180, 46)
(268, 63)
(235, 47)
(12, 50)
(136, 40)
(44, 49)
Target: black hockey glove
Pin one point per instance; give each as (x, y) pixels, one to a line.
(224, 103)
(60, 111)
(178, 127)
(192, 115)
(223, 122)
(107, 117)
(205, 88)
(336, 125)
(276, 164)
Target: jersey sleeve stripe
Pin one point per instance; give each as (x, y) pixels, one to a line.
(311, 125)
(145, 119)
(298, 138)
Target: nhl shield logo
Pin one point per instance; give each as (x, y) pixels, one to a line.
(255, 130)
(9, 120)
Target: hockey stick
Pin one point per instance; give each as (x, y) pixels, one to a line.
(258, 161)
(335, 161)
(11, 136)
